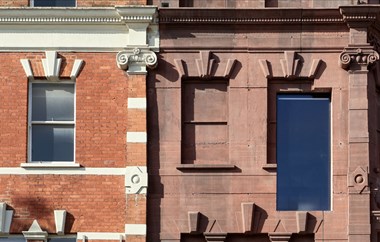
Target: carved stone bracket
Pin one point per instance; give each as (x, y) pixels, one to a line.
(290, 66)
(134, 61)
(364, 55)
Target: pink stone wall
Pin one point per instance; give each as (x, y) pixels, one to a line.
(179, 189)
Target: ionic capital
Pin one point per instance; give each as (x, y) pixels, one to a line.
(362, 56)
(135, 60)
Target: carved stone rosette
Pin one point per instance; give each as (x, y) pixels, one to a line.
(135, 60)
(357, 55)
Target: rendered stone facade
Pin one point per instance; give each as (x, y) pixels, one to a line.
(212, 118)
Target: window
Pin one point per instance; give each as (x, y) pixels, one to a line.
(303, 152)
(52, 3)
(51, 122)
(204, 122)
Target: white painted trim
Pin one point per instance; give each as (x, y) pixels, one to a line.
(76, 29)
(60, 221)
(137, 102)
(76, 68)
(135, 229)
(136, 137)
(8, 220)
(27, 68)
(30, 122)
(101, 171)
(98, 236)
(50, 165)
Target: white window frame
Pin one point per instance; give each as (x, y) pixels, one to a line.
(30, 124)
(32, 5)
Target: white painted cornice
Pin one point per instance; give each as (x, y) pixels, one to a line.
(78, 29)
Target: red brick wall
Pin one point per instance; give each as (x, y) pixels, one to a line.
(93, 203)
(101, 109)
(80, 3)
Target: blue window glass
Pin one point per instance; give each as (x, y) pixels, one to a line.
(53, 142)
(53, 3)
(303, 152)
(52, 122)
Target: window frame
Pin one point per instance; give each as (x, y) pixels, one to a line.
(31, 4)
(30, 162)
(330, 121)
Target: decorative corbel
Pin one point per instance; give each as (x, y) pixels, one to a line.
(134, 61)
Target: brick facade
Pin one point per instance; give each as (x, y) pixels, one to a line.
(80, 3)
(99, 192)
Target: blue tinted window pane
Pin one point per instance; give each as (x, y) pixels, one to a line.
(54, 3)
(52, 102)
(52, 142)
(12, 240)
(303, 152)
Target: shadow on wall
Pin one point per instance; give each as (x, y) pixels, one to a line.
(30, 208)
(155, 187)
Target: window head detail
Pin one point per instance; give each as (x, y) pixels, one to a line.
(206, 67)
(291, 67)
(52, 66)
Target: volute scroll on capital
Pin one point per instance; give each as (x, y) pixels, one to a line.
(135, 60)
(357, 55)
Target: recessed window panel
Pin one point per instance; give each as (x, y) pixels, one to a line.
(303, 152)
(53, 142)
(53, 3)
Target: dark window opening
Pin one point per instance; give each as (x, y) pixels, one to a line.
(53, 3)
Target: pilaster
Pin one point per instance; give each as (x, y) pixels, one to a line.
(142, 39)
(356, 58)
